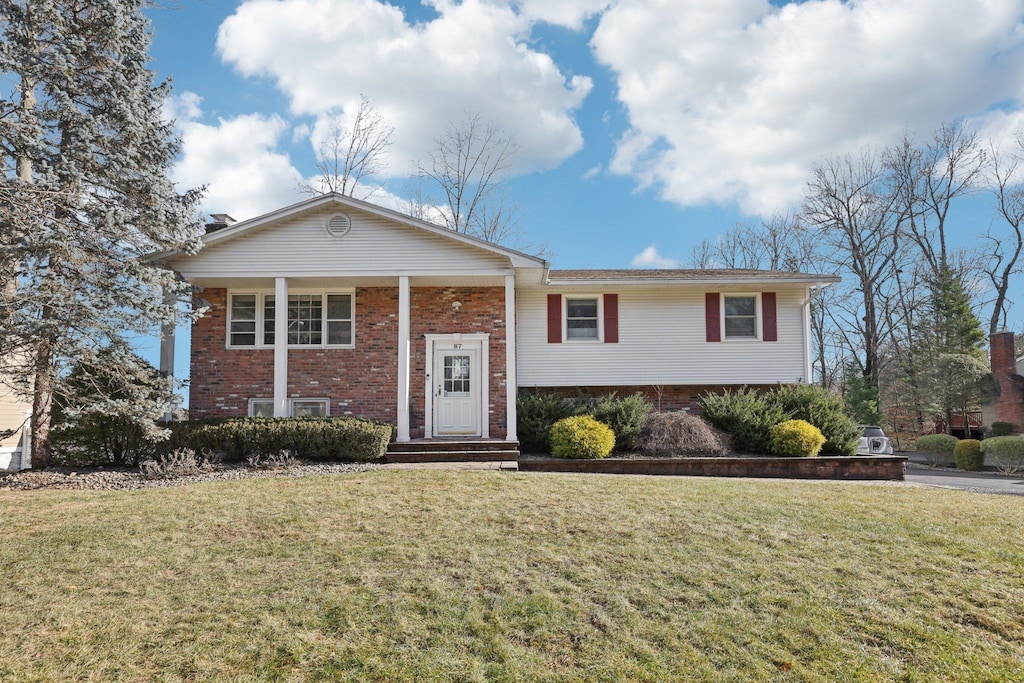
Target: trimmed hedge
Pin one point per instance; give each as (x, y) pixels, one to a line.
(941, 444)
(1003, 428)
(309, 438)
(797, 438)
(968, 454)
(537, 413)
(825, 410)
(1005, 452)
(581, 436)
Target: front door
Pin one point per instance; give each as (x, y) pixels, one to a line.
(457, 391)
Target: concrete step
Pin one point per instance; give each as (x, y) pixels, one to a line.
(453, 456)
(426, 445)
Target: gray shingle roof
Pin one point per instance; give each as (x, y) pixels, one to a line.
(682, 275)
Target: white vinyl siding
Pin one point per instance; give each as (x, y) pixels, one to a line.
(375, 246)
(251, 318)
(661, 341)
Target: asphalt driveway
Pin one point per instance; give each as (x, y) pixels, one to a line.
(978, 482)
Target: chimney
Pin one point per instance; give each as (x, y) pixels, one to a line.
(1010, 403)
(219, 222)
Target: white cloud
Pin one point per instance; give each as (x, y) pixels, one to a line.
(471, 58)
(650, 258)
(735, 101)
(238, 161)
(592, 172)
(568, 13)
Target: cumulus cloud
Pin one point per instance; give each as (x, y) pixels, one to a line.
(568, 13)
(650, 258)
(238, 161)
(471, 58)
(735, 101)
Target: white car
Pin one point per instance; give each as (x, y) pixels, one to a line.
(873, 441)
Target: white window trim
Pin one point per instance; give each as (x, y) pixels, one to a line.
(600, 319)
(291, 402)
(261, 294)
(758, 319)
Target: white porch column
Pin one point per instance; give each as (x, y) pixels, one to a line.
(167, 350)
(511, 381)
(281, 347)
(404, 308)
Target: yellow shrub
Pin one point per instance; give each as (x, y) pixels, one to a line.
(797, 438)
(581, 437)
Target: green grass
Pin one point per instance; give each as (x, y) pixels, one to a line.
(427, 575)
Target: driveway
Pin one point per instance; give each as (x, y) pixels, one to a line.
(978, 482)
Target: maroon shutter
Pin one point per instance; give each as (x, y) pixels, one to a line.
(611, 318)
(554, 318)
(713, 316)
(770, 328)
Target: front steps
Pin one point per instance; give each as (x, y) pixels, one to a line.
(455, 450)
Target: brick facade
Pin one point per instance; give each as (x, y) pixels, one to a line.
(362, 381)
(667, 397)
(1009, 405)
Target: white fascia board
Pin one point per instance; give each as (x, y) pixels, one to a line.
(701, 282)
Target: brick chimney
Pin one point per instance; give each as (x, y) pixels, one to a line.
(1010, 403)
(219, 222)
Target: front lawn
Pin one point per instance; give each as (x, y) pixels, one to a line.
(427, 575)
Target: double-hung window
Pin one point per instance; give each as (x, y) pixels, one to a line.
(321, 319)
(581, 318)
(740, 317)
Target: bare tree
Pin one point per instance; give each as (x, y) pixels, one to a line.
(855, 204)
(469, 164)
(1003, 257)
(347, 155)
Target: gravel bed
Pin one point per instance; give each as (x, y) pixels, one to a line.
(123, 479)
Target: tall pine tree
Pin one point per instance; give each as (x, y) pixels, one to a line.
(84, 197)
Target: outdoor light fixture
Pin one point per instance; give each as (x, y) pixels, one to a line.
(456, 305)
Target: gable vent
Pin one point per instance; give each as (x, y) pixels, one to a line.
(338, 224)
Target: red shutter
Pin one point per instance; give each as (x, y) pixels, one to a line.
(554, 318)
(769, 324)
(713, 316)
(611, 318)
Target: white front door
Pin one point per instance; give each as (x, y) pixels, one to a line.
(457, 391)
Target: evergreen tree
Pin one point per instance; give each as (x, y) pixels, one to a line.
(954, 326)
(85, 195)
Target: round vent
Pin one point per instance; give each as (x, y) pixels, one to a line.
(338, 224)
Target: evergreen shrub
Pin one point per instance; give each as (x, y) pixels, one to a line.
(537, 412)
(746, 416)
(968, 454)
(1003, 428)
(309, 438)
(825, 410)
(797, 438)
(939, 446)
(581, 436)
(1005, 452)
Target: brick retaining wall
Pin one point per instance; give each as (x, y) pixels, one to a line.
(889, 468)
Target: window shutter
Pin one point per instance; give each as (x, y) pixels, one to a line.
(611, 318)
(769, 318)
(713, 316)
(554, 318)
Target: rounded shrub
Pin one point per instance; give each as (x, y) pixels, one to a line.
(968, 454)
(940, 447)
(797, 438)
(1005, 452)
(581, 436)
(825, 410)
(1003, 428)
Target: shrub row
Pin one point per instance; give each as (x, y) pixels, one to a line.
(748, 417)
(309, 438)
(1005, 452)
(537, 413)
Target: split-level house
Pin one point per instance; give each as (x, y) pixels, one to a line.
(335, 306)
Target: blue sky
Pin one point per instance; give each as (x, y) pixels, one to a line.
(641, 124)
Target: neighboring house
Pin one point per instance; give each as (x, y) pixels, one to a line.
(1007, 369)
(14, 414)
(392, 318)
